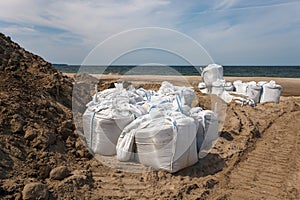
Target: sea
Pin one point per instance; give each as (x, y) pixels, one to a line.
(239, 71)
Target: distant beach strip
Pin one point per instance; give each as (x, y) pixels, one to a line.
(236, 71)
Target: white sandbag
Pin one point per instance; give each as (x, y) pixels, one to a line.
(125, 142)
(218, 87)
(202, 87)
(253, 92)
(196, 114)
(186, 95)
(177, 104)
(107, 115)
(131, 95)
(135, 98)
(228, 86)
(251, 83)
(166, 88)
(124, 147)
(167, 142)
(103, 128)
(146, 95)
(271, 92)
(227, 97)
(244, 101)
(212, 73)
(161, 102)
(210, 123)
(240, 87)
(261, 83)
(207, 129)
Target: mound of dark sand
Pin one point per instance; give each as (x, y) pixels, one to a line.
(36, 128)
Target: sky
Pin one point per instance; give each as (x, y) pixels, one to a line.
(229, 32)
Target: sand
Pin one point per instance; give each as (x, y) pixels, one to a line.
(42, 156)
(291, 86)
(256, 156)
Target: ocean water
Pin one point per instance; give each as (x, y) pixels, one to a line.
(242, 71)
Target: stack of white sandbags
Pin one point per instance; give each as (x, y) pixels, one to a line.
(166, 132)
(260, 92)
(249, 93)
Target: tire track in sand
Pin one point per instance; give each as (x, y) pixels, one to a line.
(271, 170)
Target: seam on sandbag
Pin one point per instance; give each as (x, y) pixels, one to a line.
(178, 103)
(91, 129)
(175, 131)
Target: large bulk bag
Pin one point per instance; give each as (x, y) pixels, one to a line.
(228, 86)
(211, 134)
(212, 73)
(166, 142)
(166, 88)
(202, 87)
(271, 92)
(253, 92)
(207, 132)
(186, 95)
(218, 87)
(240, 87)
(124, 147)
(195, 113)
(102, 128)
(261, 83)
(107, 115)
(126, 141)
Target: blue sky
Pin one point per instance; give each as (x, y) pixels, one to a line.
(233, 32)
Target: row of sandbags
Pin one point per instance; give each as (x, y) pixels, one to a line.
(157, 129)
(241, 92)
(260, 92)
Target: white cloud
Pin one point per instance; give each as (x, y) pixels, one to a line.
(85, 18)
(224, 4)
(89, 21)
(232, 30)
(267, 35)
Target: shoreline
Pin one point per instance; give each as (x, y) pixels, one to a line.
(290, 86)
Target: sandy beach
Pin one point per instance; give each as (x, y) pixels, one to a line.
(290, 86)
